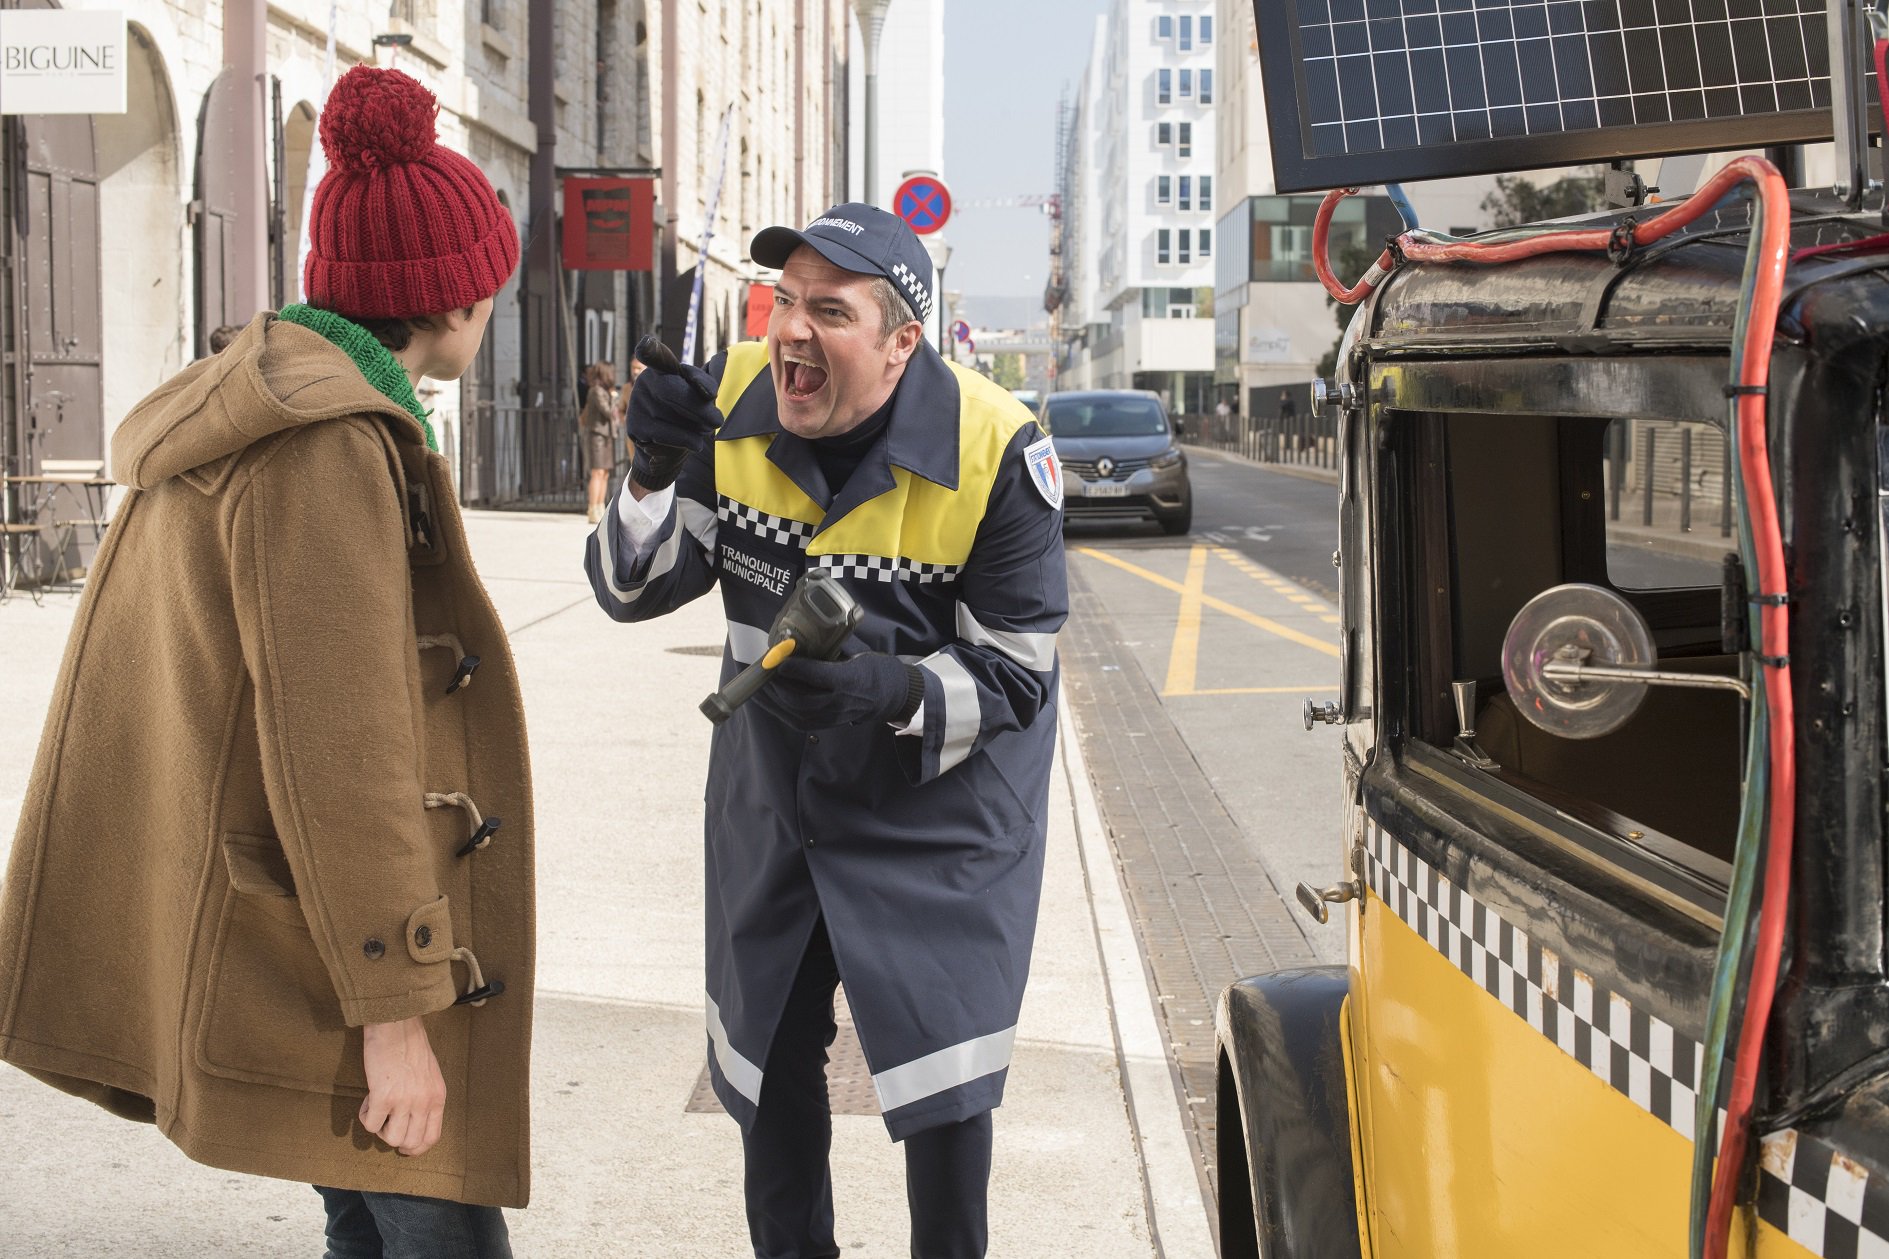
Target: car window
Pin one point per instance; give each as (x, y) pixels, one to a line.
(1107, 417)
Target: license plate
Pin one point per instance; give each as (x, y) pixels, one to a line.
(1104, 489)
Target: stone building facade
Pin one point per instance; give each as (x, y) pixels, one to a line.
(142, 229)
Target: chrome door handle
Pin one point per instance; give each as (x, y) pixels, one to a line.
(1316, 899)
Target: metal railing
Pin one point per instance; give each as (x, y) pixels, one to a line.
(526, 458)
(1305, 440)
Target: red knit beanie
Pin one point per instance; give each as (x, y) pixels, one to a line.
(401, 226)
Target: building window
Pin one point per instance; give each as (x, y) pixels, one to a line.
(1206, 194)
(1182, 257)
(1164, 133)
(1163, 189)
(1187, 82)
(1186, 147)
(1281, 249)
(1206, 28)
(1161, 246)
(1206, 84)
(1164, 27)
(1206, 243)
(1187, 33)
(1187, 192)
(492, 13)
(1164, 86)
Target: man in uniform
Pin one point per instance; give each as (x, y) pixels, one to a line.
(879, 818)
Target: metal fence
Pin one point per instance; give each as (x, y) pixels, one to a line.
(525, 458)
(1307, 440)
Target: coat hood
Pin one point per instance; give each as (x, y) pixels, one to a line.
(274, 377)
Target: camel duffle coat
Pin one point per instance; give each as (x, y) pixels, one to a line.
(251, 826)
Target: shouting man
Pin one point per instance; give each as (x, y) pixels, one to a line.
(877, 819)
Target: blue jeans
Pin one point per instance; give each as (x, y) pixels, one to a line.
(397, 1226)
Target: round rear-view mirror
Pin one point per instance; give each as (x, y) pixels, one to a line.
(1569, 630)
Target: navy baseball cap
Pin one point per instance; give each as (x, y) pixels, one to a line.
(862, 238)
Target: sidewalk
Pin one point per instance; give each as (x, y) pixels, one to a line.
(620, 1168)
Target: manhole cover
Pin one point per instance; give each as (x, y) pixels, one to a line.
(848, 1082)
(696, 651)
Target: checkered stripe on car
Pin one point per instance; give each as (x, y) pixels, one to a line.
(795, 533)
(1633, 1052)
(886, 568)
(1823, 1199)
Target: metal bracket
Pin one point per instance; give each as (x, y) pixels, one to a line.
(1315, 899)
(1327, 712)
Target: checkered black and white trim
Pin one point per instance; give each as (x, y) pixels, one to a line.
(886, 568)
(1821, 1198)
(794, 533)
(915, 286)
(1631, 1051)
(1825, 1201)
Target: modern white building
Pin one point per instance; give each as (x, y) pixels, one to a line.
(911, 98)
(1145, 201)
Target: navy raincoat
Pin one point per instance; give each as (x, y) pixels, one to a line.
(923, 851)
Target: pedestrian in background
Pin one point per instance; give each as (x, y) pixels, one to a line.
(220, 338)
(241, 900)
(880, 816)
(597, 428)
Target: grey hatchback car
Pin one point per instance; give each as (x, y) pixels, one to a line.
(1119, 457)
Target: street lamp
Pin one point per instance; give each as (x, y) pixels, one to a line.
(871, 14)
(940, 251)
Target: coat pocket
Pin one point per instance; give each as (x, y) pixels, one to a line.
(270, 1012)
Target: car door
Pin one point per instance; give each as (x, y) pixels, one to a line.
(1531, 954)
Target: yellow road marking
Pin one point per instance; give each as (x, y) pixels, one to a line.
(1264, 690)
(1184, 655)
(1218, 605)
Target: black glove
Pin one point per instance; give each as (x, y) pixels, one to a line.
(815, 694)
(671, 416)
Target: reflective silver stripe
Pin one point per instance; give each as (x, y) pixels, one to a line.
(664, 560)
(738, 1071)
(963, 716)
(1032, 651)
(748, 643)
(946, 1069)
(700, 521)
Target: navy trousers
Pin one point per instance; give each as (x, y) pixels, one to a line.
(399, 1226)
(789, 1185)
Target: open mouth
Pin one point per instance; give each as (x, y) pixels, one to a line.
(804, 379)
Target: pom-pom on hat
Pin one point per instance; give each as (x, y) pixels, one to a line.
(401, 226)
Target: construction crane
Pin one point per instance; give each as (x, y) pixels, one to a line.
(1051, 203)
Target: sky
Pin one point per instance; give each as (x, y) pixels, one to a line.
(1006, 64)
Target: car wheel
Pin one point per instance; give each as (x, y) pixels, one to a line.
(1239, 1223)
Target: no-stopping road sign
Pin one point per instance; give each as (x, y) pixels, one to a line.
(923, 202)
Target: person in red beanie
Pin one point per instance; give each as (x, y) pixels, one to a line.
(260, 895)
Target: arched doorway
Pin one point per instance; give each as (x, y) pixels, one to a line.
(298, 143)
(140, 195)
(49, 305)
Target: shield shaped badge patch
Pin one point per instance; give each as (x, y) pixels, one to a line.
(1046, 473)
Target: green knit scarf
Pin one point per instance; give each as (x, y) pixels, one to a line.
(382, 370)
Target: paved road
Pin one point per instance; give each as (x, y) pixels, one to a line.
(1262, 641)
(1186, 662)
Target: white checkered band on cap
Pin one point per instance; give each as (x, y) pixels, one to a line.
(915, 286)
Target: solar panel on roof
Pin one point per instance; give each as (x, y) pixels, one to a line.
(1373, 91)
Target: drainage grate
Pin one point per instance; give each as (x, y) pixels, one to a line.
(848, 1082)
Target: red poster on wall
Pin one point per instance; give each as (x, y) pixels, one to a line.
(609, 224)
(760, 306)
